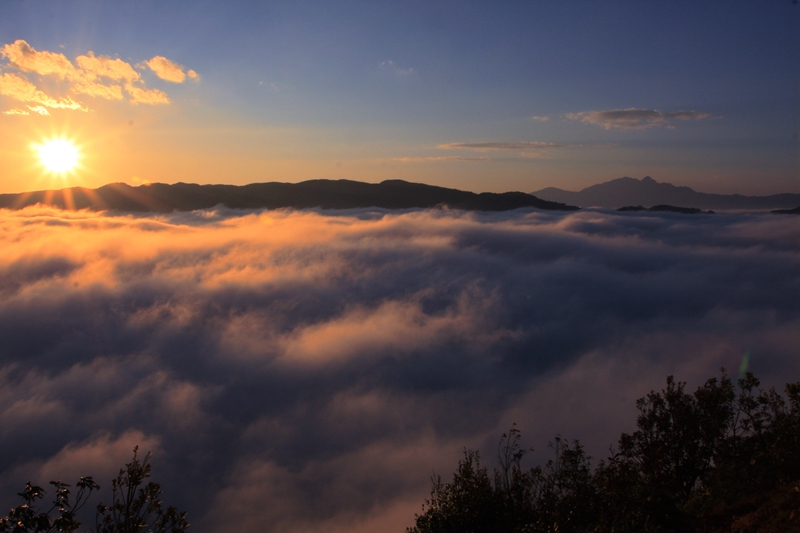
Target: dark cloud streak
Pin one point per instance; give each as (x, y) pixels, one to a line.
(635, 119)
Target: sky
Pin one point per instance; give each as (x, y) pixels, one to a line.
(481, 96)
(306, 371)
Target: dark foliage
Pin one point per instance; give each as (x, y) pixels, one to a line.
(135, 508)
(29, 517)
(697, 462)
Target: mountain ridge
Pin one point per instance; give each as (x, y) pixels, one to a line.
(648, 192)
(325, 194)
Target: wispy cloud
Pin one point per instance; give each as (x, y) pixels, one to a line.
(488, 146)
(94, 76)
(439, 158)
(38, 109)
(524, 149)
(270, 86)
(392, 67)
(635, 119)
(540, 119)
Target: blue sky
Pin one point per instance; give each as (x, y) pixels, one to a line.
(475, 95)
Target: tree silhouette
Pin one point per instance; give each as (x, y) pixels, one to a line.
(695, 463)
(135, 508)
(29, 517)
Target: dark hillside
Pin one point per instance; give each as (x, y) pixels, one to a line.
(326, 194)
(795, 211)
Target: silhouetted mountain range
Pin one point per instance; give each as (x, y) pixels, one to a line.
(648, 192)
(326, 194)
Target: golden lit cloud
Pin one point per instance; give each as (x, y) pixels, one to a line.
(93, 68)
(140, 95)
(169, 70)
(401, 326)
(105, 67)
(95, 76)
(22, 56)
(99, 90)
(19, 88)
(39, 110)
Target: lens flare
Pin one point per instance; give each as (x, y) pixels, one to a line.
(744, 365)
(58, 156)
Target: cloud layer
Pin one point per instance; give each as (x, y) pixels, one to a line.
(94, 76)
(635, 119)
(304, 372)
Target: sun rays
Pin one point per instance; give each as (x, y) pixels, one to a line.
(58, 156)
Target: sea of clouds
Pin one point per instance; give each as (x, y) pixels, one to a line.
(306, 371)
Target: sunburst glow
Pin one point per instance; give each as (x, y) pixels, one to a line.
(58, 155)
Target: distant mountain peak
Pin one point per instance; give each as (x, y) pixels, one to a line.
(648, 192)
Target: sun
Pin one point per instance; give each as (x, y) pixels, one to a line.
(58, 156)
